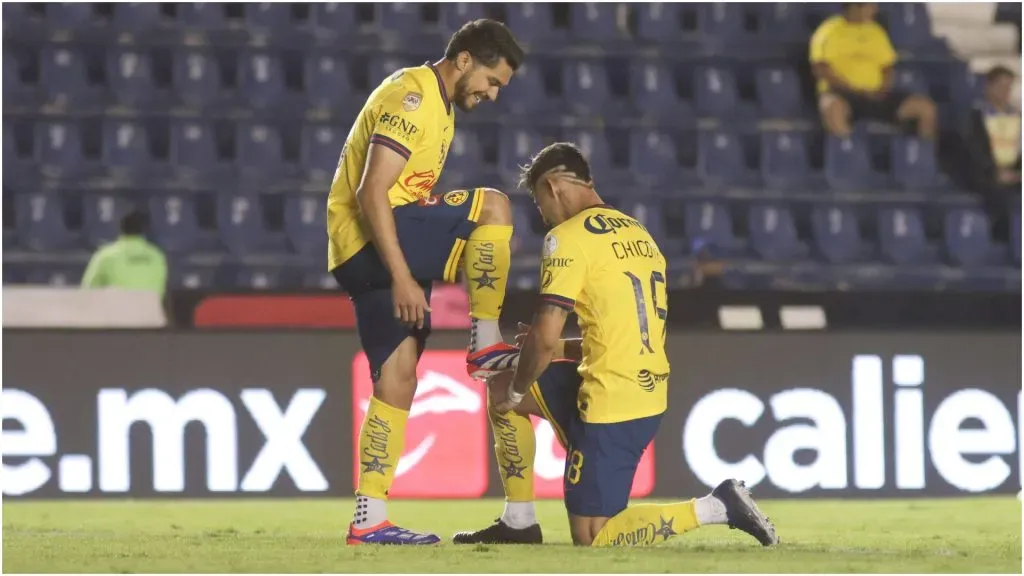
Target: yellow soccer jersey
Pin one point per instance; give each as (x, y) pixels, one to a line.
(410, 113)
(605, 265)
(858, 52)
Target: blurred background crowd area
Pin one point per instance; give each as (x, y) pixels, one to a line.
(223, 123)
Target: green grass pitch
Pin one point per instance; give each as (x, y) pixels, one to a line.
(295, 536)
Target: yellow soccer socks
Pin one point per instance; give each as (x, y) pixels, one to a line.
(486, 261)
(648, 524)
(515, 449)
(381, 441)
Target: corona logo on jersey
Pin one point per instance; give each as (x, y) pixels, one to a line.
(446, 438)
(549, 465)
(601, 224)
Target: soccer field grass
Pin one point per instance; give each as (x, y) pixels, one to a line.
(963, 535)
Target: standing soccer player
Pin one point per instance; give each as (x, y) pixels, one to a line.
(390, 239)
(606, 400)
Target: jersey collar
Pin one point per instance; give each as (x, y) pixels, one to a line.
(440, 86)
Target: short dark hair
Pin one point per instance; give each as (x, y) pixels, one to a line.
(998, 72)
(488, 41)
(558, 154)
(134, 223)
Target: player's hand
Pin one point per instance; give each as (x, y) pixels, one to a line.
(523, 330)
(504, 399)
(410, 302)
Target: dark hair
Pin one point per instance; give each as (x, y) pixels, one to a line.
(557, 154)
(487, 41)
(134, 223)
(998, 72)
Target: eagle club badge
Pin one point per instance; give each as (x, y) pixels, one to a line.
(456, 198)
(412, 101)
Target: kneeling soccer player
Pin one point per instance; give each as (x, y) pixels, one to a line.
(605, 266)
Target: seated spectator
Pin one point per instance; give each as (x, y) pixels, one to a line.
(130, 262)
(852, 59)
(992, 147)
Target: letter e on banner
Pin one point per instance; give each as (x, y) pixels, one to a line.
(447, 441)
(549, 465)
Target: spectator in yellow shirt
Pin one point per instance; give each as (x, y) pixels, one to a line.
(852, 58)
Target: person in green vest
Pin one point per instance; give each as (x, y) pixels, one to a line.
(130, 262)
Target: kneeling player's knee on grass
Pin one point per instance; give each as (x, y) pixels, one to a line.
(584, 529)
(497, 207)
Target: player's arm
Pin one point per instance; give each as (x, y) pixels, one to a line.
(384, 165)
(570, 348)
(540, 345)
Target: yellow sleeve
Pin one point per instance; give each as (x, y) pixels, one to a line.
(819, 40)
(563, 270)
(93, 277)
(884, 51)
(399, 120)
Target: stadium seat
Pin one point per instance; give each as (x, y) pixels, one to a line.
(716, 92)
(593, 22)
(327, 81)
(533, 23)
(202, 15)
(585, 88)
(837, 235)
(101, 216)
(723, 20)
(721, 161)
(783, 21)
(653, 158)
(465, 159)
(10, 218)
(136, 16)
(242, 222)
(659, 22)
(784, 162)
(773, 234)
(848, 165)
(64, 74)
(68, 15)
(41, 222)
(909, 24)
(316, 278)
(260, 149)
(174, 223)
(265, 278)
(268, 17)
(383, 67)
(130, 74)
(337, 18)
(58, 146)
(595, 148)
(1015, 237)
(649, 212)
(910, 80)
(196, 77)
(515, 148)
(526, 93)
(305, 223)
(261, 78)
(709, 229)
(968, 239)
(16, 90)
(403, 18)
(126, 145)
(321, 149)
(455, 14)
(194, 147)
(528, 239)
(778, 92)
(653, 92)
(902, 237)
(55, 275)
(193, 276)
(913, 163)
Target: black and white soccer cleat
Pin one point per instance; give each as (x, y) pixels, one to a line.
(501, 533)
(743, 513)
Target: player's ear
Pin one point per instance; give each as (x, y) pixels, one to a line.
(463, 62)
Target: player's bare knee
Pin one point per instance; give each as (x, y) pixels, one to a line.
(497, 208)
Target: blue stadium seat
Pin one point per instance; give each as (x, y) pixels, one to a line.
(327, 81)
(55, 274)
(968, 239)
(259, 148)
(658, 22)
(10, 218)
(404, 18)
(335, 17)
(709, 229)
(533, 23)
(515, 148)
(913, 163)
(720, 160)
(16, 90)
(136, 16)
(194, 147)
(716, 92)
(723, 20)
(305, 223)
(902, 237)
(593, 22)
(910, 80)
(455, 14)
(527, 240)
(174, 223)
(783, 21)
(58, 145)
(653, 158)
(196, 77)
(773, 234)
(265, 278)
(585, 87)
(383, 67)
(837, 236)
(784, 161)
(242, 222)
(16, 16)
(316, 278)
(321, 149)
(101, 216)
(68, 15)
(595, 148)
(525, 94)
(848, 165)
(261, 78)
(909, 24)
(41, 223)
(653, 92)
(64, 74)
(126, 145)
(268, 17)
(778, 92)
(193, 276)
(1015, 237)
(465, 159)
(652, 216)
(130, 74)
(202, 15)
